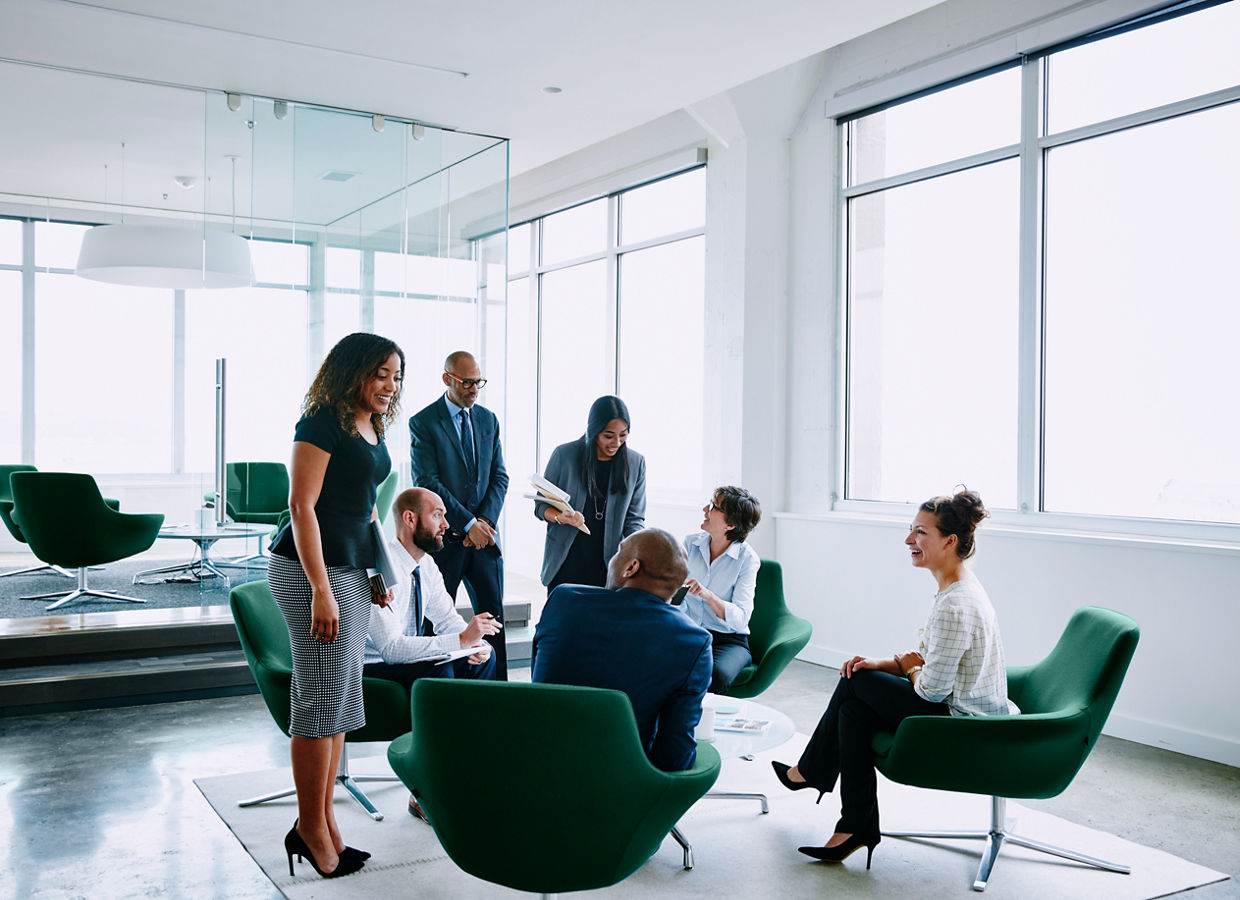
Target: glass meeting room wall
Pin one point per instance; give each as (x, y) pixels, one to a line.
(355, 223)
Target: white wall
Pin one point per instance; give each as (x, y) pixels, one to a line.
(772, 363)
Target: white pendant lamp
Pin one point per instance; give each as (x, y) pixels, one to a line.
(165, 256)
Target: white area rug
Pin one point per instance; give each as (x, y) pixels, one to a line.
(738, 852)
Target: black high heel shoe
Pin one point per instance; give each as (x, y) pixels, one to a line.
(351, 852)
(841, 852)
(781, 772)
(294, 844)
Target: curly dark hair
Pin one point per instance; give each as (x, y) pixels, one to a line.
(338, 384)
(959, 514)
(740, 509)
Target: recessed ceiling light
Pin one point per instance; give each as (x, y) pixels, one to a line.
(552, 89)
(337, 175)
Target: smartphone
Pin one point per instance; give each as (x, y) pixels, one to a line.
(679, 596)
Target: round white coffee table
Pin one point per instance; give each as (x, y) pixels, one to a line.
(201, 566)
(742, 745)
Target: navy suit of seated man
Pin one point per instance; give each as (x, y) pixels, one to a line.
(399, 641)
(625, 636)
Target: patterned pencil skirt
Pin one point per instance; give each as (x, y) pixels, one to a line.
(326, 696)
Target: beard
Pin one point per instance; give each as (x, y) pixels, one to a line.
(426, 540)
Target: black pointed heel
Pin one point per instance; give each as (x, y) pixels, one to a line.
(781, 772)
(295, 845)
(841, 852)
(354, 853)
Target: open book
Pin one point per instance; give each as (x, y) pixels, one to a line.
(550, 494)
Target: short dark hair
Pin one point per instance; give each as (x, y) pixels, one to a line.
(740, 508)
(959, 514)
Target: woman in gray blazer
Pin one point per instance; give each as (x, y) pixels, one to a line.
(606, 484)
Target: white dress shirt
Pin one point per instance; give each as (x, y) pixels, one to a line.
(960, 643)
(386, 640)
(732, 578)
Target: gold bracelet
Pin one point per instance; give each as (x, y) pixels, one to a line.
(909, 673)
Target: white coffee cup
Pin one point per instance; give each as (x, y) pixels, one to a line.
(705, 730)
(206, 519)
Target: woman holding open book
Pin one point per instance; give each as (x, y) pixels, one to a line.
(606, 486)
(318, 576)
(958, 669)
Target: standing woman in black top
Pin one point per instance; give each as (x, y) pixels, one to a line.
(317, 574)
(606, 484)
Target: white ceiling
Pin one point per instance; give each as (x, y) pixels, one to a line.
(619, 65)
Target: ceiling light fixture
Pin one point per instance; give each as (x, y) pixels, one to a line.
(419, 131)
(552, 89)
(280, 109)
(378, 123)
(165, 256)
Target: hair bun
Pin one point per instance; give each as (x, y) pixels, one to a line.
(968, 505)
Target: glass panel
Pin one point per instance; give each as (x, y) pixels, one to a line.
(574, 233)
(575, 352)
(10, 242)
(1143, 307)
(103, 376)
(932, 374)
(427, 331)
(666, 207)
(1145, 68)
(261, 332)
(662, 358)
(341, 316)
(11, 366)
(280, 263)
(519, 249)
(959, 121)
(56, 244)
(343, 268)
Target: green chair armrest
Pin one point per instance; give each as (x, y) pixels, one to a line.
(788, 638)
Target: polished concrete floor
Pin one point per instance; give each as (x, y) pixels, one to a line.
(100, 804)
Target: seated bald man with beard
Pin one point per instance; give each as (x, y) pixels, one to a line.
(626, 636)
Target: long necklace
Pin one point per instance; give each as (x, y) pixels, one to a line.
(598, 513)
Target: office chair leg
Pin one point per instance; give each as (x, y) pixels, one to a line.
(995, 838)
(351, 784)
(685, 845)
(739, 795)
(254, 801)
(245, 562)
(56, 570)
(82, 590)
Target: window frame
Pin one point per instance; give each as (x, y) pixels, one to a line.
(1031, 151)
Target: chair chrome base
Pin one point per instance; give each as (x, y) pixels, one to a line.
(245, 562)
(82, 590)
(716, 795)
(344, 779)
(56, 570)
(684, 845)
(995, 838)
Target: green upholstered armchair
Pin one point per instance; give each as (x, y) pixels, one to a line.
(6, 515)
(776, 636)
(586, 809)
(256, 493)
(67, 522)
(385, 494)
(264, 638)
(1064, 701)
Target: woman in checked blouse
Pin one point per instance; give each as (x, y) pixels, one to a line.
(318, 577)
(957, 669)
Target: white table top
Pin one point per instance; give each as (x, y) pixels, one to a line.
(213, 532)
(733, 744)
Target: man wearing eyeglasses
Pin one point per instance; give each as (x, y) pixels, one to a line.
(455, 452)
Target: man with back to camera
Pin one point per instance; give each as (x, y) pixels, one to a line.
(626, 636)
(421, 620)
(454, 451)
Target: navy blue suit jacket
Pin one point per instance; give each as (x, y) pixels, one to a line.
(632, 641)
(438, 463)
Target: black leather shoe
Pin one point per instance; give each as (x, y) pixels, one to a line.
(416, 811)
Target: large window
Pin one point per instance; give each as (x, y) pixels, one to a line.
(1042, 290)
(608, 297)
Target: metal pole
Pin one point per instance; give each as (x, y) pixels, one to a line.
(220, 503)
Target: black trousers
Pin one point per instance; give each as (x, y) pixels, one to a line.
(869, 702)
(731, 654)
(482, 570)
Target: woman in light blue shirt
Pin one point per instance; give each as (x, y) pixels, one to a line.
(723, 571)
